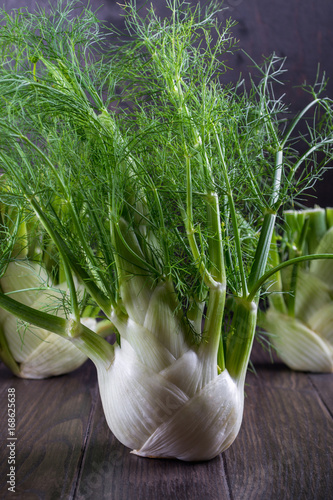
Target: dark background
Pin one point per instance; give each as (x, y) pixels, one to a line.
(300, 30)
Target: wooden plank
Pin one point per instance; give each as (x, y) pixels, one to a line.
(285, 446)
(321, 382)
(51, 428)
(111, 472)
(324, 386)
(65, 449)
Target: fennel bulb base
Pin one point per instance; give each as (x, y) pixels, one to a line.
(150, 413)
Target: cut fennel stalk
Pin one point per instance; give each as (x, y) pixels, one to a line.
(167, 201)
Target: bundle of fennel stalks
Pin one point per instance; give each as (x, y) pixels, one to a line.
(169, 185)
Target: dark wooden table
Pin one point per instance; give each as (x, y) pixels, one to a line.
(64, 449)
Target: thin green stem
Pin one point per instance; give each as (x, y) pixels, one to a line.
(292, 291)
(264, 244)
(277, 178)
(215, 244)
(276, 297)
(313, 149)
(190, 231)
(296, 120)
(105, 303)
(233, 215)
(40, 319)
(91, 344)
(198, 259)
(69, 278)
(34, 71)
(213, 325)
(240, 339)
(136, 259)
(258, 284)
(253, 180)
(163, 231)
(86, 247)
(267, 230)
(267, 116)
(216, 300)
(106, 248)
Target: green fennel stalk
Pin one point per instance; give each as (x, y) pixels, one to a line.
(172, 183)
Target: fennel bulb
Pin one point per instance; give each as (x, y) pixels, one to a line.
(300, 314)
(164, 398)
(30, 351)
(162, 394)
(32, 277)
(159, 188)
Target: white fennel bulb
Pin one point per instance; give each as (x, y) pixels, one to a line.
(300, 320)
(38, 353)
(163, 398)
(301, 346)
(156, 418)
(304, 339)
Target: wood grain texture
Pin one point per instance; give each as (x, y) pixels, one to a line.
(66, 451)
(323, 385)
(284, 449)
(110, 471)
(52, 422)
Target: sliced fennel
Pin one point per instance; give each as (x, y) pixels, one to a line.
(168, 185)
(300, 314)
